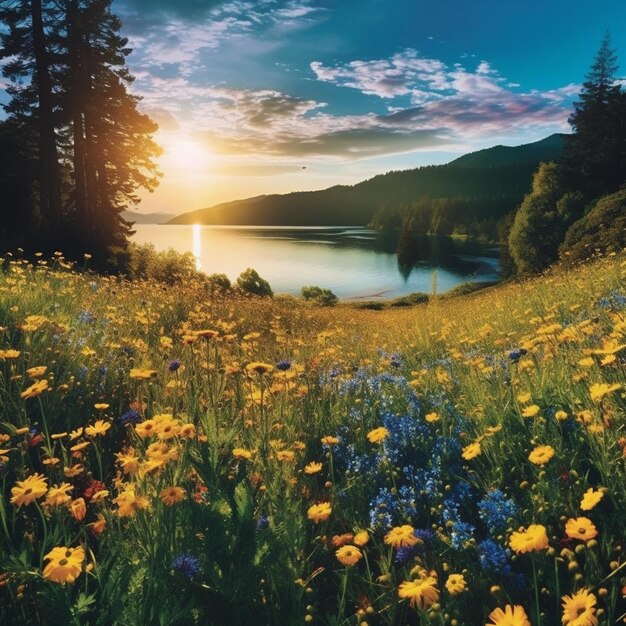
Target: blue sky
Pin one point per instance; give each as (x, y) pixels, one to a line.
(278, 95)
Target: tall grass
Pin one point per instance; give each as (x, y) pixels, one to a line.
(226, 459)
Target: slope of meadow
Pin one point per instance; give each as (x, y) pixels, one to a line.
(170, 456)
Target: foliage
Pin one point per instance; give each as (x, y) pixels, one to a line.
(541, 221)
(219, 282)
(250, 282)
(321, 297)
(91, 146)
(601, 230)
(237, 460)
(595, 154)
(167, 266)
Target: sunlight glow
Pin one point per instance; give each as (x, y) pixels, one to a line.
(186, 155)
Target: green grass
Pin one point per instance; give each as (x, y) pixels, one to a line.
(511, 368)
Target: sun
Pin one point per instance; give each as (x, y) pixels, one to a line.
(184, 154)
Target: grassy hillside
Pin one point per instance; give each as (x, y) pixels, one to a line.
(500, 172)
(169, 456)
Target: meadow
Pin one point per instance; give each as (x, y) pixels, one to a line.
(174, 456)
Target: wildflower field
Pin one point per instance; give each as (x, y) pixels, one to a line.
(173, 456)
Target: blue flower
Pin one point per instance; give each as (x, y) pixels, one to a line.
(262, 522)
(494, 558)
(173, 365)
(283, 365)
(495, 509)
(186, 565)
(130, 417)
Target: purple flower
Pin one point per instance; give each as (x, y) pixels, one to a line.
(174, 365)
(283, 365)
(186, 565)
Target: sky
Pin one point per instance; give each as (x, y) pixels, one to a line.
(272, 96)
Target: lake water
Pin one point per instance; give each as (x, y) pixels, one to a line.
(352, 262)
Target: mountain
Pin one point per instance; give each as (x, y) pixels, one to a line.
(147, 218)
(500, 172)
(547, 149)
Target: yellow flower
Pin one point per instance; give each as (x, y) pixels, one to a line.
(313, 468)
(58, 495)
(78, 509)
(432, 417)
(241, 454)
(531, 411)
(65, 564)
(79, 447)
(591, 498)
(510, 616)
(456, 584)
(128, 502)
(35, 389)
(146, 428)
(579, 609)
(421, 593)
(128, 460)
(167, 429)
(259, 368)
(541, 455)
(319, 512)
(378, 435)
(37, 372)
(99, 428)
(187, 431)
(561, 416)
(348, 555)
(75, 470)
(524, 397)
(580, 528)
(29, 490)
(75, 434)
(101, 406)
(401, 536)
(142, 374)
(533, 539)
(361, 538)
(599, 390)
(471, 451)
(329, 441)
(172, 495)
(285, 455)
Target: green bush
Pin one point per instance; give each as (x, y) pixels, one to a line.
(250, 282)
(323, 297)
(410, 300)
(167, 266)
(219, 282)
(601, 230)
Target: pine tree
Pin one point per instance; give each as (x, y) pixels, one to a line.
(595, 154)
(95, 148)
(27, 45)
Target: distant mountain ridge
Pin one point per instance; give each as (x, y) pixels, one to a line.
(147, 218)
(470, 176)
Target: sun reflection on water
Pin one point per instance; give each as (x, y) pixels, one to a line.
(196, 247)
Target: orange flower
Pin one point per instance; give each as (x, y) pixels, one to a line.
(581, 528)
(172, 495)
(78, 509)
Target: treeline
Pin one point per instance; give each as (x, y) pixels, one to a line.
(74, 148)
(379, 200)
(577, 205)
(478, 217)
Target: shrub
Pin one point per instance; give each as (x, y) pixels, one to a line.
(250, 282)
(410, 300)
(219, 282)
(167, 266)
(323, 297)
(601, 230)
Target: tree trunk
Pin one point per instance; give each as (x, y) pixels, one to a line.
(49, 169)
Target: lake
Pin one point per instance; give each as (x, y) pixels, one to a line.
(353, 262)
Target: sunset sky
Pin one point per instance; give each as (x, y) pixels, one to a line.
(279, 95)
